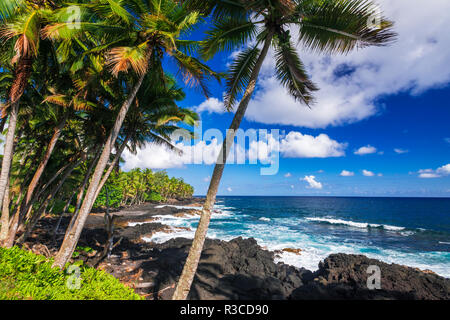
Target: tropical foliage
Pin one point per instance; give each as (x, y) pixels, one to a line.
(82, 81)
(27, 276)
(138, 186)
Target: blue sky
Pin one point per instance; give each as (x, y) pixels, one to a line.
(393, 101)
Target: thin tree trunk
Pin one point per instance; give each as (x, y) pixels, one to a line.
(37, 215)
(21, 77)
(190, 267)
(5, 216)
(66, 207)
(8, 149)
(26, 205)
(72, 235)
(86, 179)
(112, 165)
(40, 170)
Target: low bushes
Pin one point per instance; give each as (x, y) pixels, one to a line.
(24, 275)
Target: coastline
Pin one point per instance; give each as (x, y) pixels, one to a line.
(241, 267)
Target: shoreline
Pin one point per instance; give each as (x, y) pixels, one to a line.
(309, 258)
(153, 268)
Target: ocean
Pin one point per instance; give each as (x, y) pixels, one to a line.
(409, 231)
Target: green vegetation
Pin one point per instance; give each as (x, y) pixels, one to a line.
(24, 275)
(138, 186)
(84, 80)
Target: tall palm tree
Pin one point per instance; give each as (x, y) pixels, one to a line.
(20, 23)
(330, 26)
(147, 30)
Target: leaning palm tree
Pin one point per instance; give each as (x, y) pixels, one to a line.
(20, 24)
(330, 26)
(143, 33)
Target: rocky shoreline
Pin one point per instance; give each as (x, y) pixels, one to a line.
(239, 269)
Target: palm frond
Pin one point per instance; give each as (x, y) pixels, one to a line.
(194, 72)
(121, 59)
(291, 72)
(340, 26)
(226, 35)
(8, 8)
(239, 75)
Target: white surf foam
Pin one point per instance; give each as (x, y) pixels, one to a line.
(361, 225)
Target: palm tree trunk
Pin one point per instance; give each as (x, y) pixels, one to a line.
(190, 267)
(40, 170)
(5, 216)
(26, 205)
(37, 215)
(22, 74)
(112, 165)
(86, 179)
(8, 150)
(66, 207)
(73, 234)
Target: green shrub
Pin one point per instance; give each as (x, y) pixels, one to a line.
(155, 197)
(24, 275)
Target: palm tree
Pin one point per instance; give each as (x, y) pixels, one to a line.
(330, 26)
(149, 29)
(20, 23)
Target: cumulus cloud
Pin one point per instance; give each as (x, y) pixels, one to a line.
(297, 145)
(444, 170)
(438, 173)
(346, 173)
(313, 184)
(400, 151)
(159, 157)
(368, 173)
(294, 145)
(212, 105)
(366, 150)
(351, 84)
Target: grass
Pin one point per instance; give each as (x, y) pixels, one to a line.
(27, 276)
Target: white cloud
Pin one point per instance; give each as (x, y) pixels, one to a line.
(368, 173)
(438, 173)
(313, 184)
(159, 157)
(428, 175)
(350, 84)
(294, 145)
(297, 145)
(400, 151)
(229, 189)
(292, 186)
(346, 173)
(288, 175)
(444, 170)
(366, 150)
(206, 179)
(212, 105)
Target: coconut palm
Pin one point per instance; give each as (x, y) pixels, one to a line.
(329, 26)
(20, 25)
(143, 33)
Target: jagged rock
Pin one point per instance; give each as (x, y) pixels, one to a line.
(343, 276)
